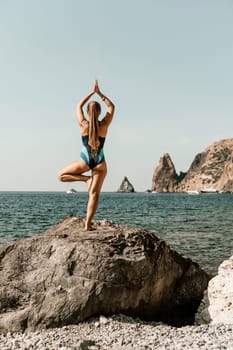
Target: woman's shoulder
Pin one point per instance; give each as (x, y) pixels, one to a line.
(84, 123)
(84, 127)
(106, 121)
(103, 129)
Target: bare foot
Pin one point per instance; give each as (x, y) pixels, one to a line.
(89, 183)
(90, 228)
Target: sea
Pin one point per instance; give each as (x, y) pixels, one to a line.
(197, 226)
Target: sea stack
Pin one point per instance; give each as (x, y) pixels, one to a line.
(126, 186)
(165, 178)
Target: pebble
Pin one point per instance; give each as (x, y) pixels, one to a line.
(120, 332)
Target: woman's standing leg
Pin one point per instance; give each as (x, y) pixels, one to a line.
(98, 176)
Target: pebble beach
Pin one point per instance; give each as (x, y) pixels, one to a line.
(122, 333)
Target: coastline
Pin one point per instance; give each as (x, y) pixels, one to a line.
(123, 333)
(196, 226)
(120, 332)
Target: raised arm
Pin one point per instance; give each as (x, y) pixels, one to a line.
(108, 118)
(80, 114)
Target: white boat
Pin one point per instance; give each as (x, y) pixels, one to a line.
(71, 191)
(193, 192)
(209, 190)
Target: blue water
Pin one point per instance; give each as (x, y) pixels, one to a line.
(199, 226)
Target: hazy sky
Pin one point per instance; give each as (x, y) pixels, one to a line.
(166, 64)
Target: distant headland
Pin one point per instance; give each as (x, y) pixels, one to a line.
(210, 171)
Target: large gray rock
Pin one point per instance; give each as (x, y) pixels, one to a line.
(217, 303)
(67, 275)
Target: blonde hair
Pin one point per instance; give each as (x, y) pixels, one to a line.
(93, 110)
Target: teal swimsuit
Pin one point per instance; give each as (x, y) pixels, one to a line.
(92, 158)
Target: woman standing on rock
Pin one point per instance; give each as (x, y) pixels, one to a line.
(93, 132)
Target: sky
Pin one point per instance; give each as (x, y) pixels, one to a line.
(166, 64)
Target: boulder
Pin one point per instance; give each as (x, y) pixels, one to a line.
(217, 303)
(126, 186)
(68, 275)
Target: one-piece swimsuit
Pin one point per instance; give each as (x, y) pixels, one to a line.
(90, 157)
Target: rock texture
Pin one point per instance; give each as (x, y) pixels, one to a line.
(217, 304)
(212, 168)
(67, 275)
(126, 186)
(165, 178)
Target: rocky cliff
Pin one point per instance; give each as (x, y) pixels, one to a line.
(213, 168)
(165, 178)
(67, 275)
(126, 186)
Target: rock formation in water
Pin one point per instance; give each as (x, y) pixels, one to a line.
(126, 186)
(217, 304)
(67, 275)
(165, 178)
(212, 168)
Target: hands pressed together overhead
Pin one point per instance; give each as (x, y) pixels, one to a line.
(96, 90)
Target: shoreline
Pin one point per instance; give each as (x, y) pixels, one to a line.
(120, 332)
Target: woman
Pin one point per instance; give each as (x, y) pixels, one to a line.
(93, 134)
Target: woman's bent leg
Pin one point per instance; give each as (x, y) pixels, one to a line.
(98, 176)
(73, 172)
